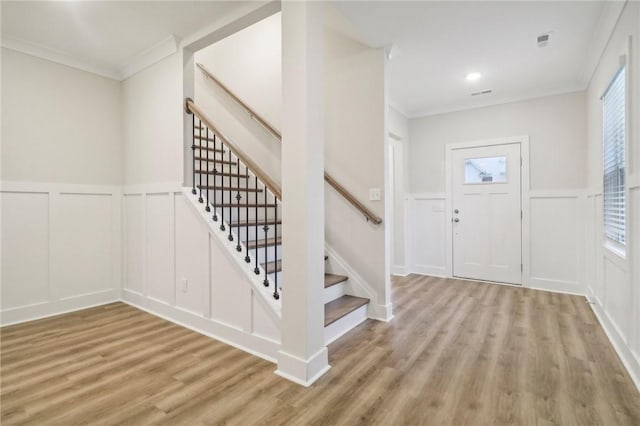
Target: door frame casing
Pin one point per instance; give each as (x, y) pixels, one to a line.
(523, 140)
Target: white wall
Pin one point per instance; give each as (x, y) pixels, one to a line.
(61, 167)
(59, 124)
(554, 124)
(613, 283)
(248, 62)
(166, 243)
(557, 130)
(152, 123)
(356, 147)
(60, 248)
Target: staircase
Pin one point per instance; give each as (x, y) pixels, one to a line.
(244, 203)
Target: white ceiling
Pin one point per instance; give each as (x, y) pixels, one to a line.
(103, 36)
(438, 43)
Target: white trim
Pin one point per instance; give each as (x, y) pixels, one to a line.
(397, 108)
(140, 61)
(488, 104)
(156, 53)
(251, 343)
(631, 364)
(47, 309)
(555, 286)
(59, 57)
(400, 270)
(608, 19)
(431, 270)
(339, 328)
(264, 294)
(359, 286)
(525, 201)
(303, 371)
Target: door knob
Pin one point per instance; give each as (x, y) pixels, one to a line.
(456, 211)
(456, 220)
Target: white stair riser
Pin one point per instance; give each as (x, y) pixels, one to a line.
(345, 324)
(271, 254)
(259, 232)
(272, 277)
(334, 292)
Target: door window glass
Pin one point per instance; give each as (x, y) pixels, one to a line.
(485, 170)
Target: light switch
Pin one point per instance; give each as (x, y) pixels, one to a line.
(374, 194)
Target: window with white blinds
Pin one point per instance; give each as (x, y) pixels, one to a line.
(613, 126)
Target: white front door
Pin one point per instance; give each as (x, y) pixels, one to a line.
(486, 213)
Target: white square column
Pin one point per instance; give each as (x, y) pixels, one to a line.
(303, 354)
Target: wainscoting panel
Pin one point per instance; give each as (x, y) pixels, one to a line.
(616, 287)
(428, 234)
(160, 257)
(60, 248)
(134, 243)
(192, 259)
(556, 245)
(25, 249)
(557, 241)
(176, 269)
(82, 246)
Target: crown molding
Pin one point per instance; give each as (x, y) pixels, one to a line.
(53, 55)
(438, 111)
(142, 60)
(150, 56)
(609, 17)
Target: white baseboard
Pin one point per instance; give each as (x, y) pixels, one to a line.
(251, 343)
(400, 270)
(630, 362)
(434, 271)
(556, 286)
(37, 311)
(300, 371)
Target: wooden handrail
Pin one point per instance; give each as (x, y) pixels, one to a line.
(254, 115)
(192, 108)
(368, 214)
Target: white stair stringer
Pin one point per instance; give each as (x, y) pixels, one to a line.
(356, 285)
(272, 306)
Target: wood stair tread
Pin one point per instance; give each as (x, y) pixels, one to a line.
(204, 138)
(254, 223)
(262, 243)
(216, 160)
(222, 173)
(204, 148)
(229, 188)
(342, 306)
(273, 267)
(332, 279)
(242, 205)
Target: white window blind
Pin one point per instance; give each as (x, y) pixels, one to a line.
(613, 126)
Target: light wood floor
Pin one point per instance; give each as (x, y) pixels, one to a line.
(457, 353)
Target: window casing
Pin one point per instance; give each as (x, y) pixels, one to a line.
(614, 158)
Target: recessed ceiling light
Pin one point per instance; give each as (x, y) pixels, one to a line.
(473, 76)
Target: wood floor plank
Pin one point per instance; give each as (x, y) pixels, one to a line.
(456, 353)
